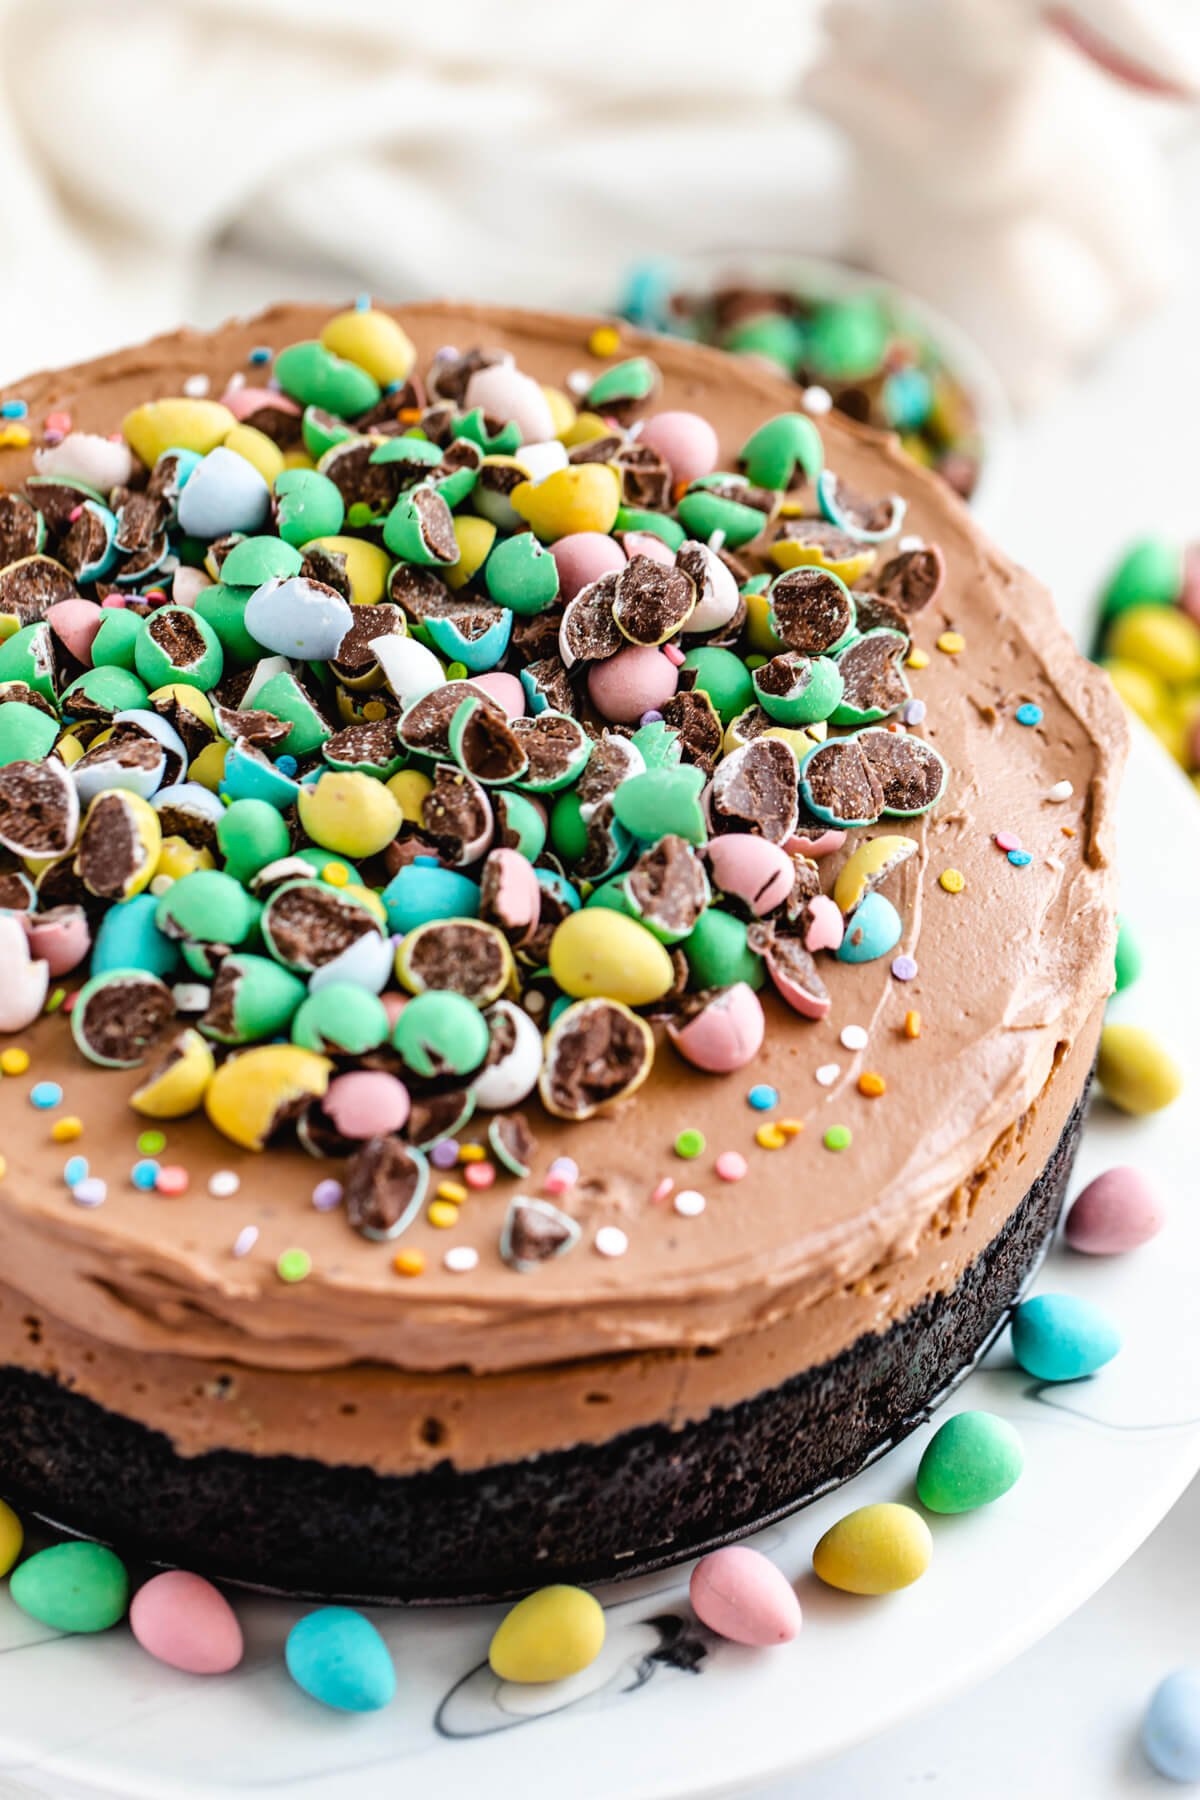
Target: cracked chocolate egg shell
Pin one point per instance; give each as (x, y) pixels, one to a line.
(754, 789)
(484, 745)
(839, 785)
(457, 956)
(117, 1016)
(597, 1053)
(510, 895)
(384, 1186)
(39, 809)
(514, 1057)
(667, 888)
(588, 631)
(534, 1231)
(752, 870)
(425, 725)
(557, 748)
(651, 603)
(910, 772)
(720, 1030)
(794, 976)
(873, 684)
(513, 1142)
(456, 816)
(912, 579)
(306, 924)
(811, 610)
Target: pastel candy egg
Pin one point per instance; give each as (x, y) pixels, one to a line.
(313, 375)
(176, 644)
(1162, 639)
(366, 963)
(718, 954)
(423, 890)
(441, 1033)
(505, 689)
(251, 834)
(582, 557)
(723, 676)
(178, 1083)
(75, 624)
(341, 1020)
(61, 939)
(869, 865)
(26, 733)
(741, 1595)
(1150, 573)
(72, 1587)
(187, 584)
(644, 543)
(254, 560)
(225, 493)
(299, 618)
(872, 930)
(307, 505)
(686, 442)
(208, 907)
(726, 1034)
(717, 590)
(514, 895)
(244, 402)
(100, 462)
(780, 447)
(969, 1461)
(638, 679)
(410, 669)
(757, 873)
(583, 497)
(549, 1635)
(254, 1090)
(595, 953)
(662, 801)
(367, 565)
(185, 1621)
(522, 574)
(373, 340)
(12, 1537)
(128, 937)
(338, 1657)
(1127, 960)
(260, 451)
(1117, 1212)
(252, 997)
(161, 425)
(502, 390)
(367, 1103)
(1171, 1727)
(825, 927)
(351, 813)
(874, 1550)
(513, 1077)
(1135, 1071)
(1060, 1337)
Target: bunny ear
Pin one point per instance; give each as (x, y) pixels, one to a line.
(1142, 53)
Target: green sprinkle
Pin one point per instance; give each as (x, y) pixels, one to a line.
(56, 999)
(837, 1137)
(689, 1143)
(456, 671)
(293, 1265)
(151, 1143)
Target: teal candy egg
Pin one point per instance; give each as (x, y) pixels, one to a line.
(1060, 1337)
(338, 1657)
(969, 1461)
(424, 891)
(251, 777)
(72, 1587)
(477, 654)
(127, 937)
(873, 929)
(314, 376)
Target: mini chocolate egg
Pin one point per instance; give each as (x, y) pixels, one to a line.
(366, 963)
(75, 624)
(103, 463)
(257, 1090)
(503, 392)
(603, 955)
(186, 1622)
(208, 907)
(873, 929)
(717, 595)
(1116, 1212)
(340, 1019)
(505, 689)
(73, 1587)
(224, 494)
(118, 845)
(295, 617)
(463, 956)
(337, 1656)
(118, 1015)
(409, 668)
(175, 644)
(583, 557)
(645, 543)
(824, 926)
(178, 1079)
(582, 497)
(423, 890)
(251, 997)
(741, 1595)
(39, 807)
(513, 1076)
(510, 895)
(176, 424)
(548, 1636)
(60, 938)
(310, 373)
(1061, 1337)
(26, 980)
(440, 1033)
(127, 937)
(725, 1033)
(686, 442)
(637, 680)
(751, 869)
(352, 814)
(366, 1103)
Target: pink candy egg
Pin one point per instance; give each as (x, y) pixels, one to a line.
(583, 557)
(506, 690)
(1116, 1212)
(185, 1621)
(512, 893)
(75, 624)
(826, 927)
(740, 1594)
(244, 401)
(393, 1005)
(61, 939)
(823, 844)
(504, 392)
(726, 1035)
(366, 1103)
(644, 543)
(755, 872)
(686, 442)
(636, 680)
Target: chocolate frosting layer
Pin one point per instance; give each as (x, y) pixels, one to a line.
(1010, 972)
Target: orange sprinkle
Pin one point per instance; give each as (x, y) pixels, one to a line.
(678, 491)
(1067, 830)
(912, 1024)
(410, 415)
(409, 1262)
(791, 1127)
(871, 1084)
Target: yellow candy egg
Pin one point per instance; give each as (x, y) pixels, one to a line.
(178, 858)
(409, 788)
(549, 1635)
(599, 954)
(208, 766)
(192, 699)
(759, 635)
(262, 452)
(562, 411)
(367, 897)
(800, 737)
(475, 538)
(12, 1537)
(1142, 691)
(586, 428)
(145, 829)
(867, 866)
(367, 566)
(581, 497)
(69, 748)
(350, 813)
(179, 424)
(1162, 639)
(788, 553)
(298, 459)
(1135, 1071)
(177, 1089)
(373, 340)
(250, 1091)
(874, 1550)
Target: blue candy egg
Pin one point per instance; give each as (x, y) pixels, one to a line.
(1059, 1337)
(425, 891)
(128, 938)
(252, 777)
(907, 399)
(478, 654)
(558, 885)
(1171, 1727)
(338, 1657)
(224, 493)
(872, 929)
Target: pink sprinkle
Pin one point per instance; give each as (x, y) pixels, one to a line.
(731, 1165)
(673, 654)
(1007, 840)
(171, 1179)
(68, 1004)
(113, 600)
(58, 421)
(480, 1174)
(555, 1184)
(665, 1188)
(74, 513)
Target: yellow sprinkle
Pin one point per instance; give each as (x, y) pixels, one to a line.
(63, 1131)
(15, 435)
(335, 873)
(770, 1137)
(605, 341)
(3, 1167)
(871, 1084)
(953, 880)
(443, 1214)
(471, 1153)
(451, 1190)
(790, 1127)
(409, 1262)
(374, 709)
(14, 1060)
(912, 1024)
(952, 642)
(917, 659)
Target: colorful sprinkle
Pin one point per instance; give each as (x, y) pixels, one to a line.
(1020, 859)
(1062, 790)
(604, 341)
(223, 1184)
(452, 1190)
(951, 642)
(473, 1153)
(837, 1137)
(151, 1143)
(791, 1127)
(731, 1165)
(14, 409)
(444, 1155)
(953, 880)
(45, 1094)
(327, 1194)
(912, 1024)
(689, 1143)
(261, 353)
(443, 1214)
(245, 1240)
(827, 1074)
(663, 1190)
(14, 1060)
(763, 1097)
(904, 968)
(75, 1170)
(917, 659)
(91, 1191)
(769, 1137)
(1007, 840)
(65, 1131)
(689, 1204)
(461, 1259)
(871, 1084)
(854, 1037)
(172, 1179)
(610, 1240)
(293, 1265)
(55, 1001)
(1029, 714)
(409, 1262)
(479, 1175)
(144, 1174)
(913, 712)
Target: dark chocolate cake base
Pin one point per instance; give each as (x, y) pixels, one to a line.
(646, 1498)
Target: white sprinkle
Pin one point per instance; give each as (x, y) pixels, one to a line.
(827, 1074)
(610, 1240)
(689, 1203)
(236, 380)
(245, 1240)
(854, 1038)
(461, 1259)
(716, 539)
(635, 431)
(191, 996)
(162, 884)
(91, 1191)
(816, 399)
(1062, 790)
(578, 381)
(911, 543)
(223, 1183)
(196, 386)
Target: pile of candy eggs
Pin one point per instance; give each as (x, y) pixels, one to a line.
(1148, 639)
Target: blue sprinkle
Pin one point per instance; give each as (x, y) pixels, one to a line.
(261, 353)
(45, 1094)
(75, 1170)
(1029, 714)
(362, 303)
(144, 1174)
(1019, 858)
(14, 409)
(763, 1097)
(287, 765)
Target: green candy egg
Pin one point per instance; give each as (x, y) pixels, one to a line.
(848, 338)
(634, 379)
(817, 693)
(314, 376)
(258, 559)
(1149, 574)
(72, 1587)
(702, 513)
(659, 744)
(113, 645)
(440, 1033)
(969, 1461)
(321, 431)
(660, 801)
(522, 574)
(325, 862)
(522, 823)
(611, 893)
(207, 907)
(773, 335)
(420, 529)
(307, 505)
(772, 454)
(568, 828)
(26, 733)
(656, 524)
(284, 696)
(250, 834)
(473, 426)
(28, 656)
(106, 691)
(724, 677)
(178, 644)
(717, 953)
(1128, 958)
(252, 997)
(341, 1020)
(224, 609)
